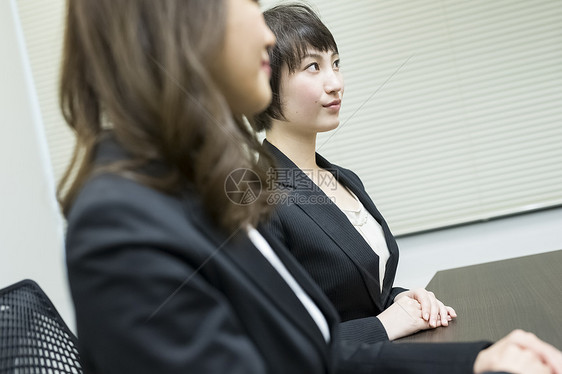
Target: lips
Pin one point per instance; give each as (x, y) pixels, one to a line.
(266, 67)
(333, 104)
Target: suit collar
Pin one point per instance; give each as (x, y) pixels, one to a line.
(335, 223)
(288, 174)
(303, 279)
(241, 251)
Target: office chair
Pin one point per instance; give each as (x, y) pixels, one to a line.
(33, 336)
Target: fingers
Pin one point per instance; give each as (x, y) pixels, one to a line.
(422, 296)
(411, 306)
(549, 354)
(430, 306)
(443, 314)
(402, 318)
(414, 322)
(525, 361)
(452, 312)
(433, 311)
(507, 355)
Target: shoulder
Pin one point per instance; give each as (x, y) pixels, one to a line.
(108, 196)
(112, 211)
(129, 249)
(348, 173)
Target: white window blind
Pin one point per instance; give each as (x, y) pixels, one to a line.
(452, 110)
(43, 27)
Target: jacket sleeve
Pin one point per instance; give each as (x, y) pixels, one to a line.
(140, 309)
(393, 293)
(367, 330)
(402, 358)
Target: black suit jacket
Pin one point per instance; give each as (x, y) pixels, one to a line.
(325, 242)
(158, 288)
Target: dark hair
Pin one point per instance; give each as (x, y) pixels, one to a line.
(140, 68)
(296, 28)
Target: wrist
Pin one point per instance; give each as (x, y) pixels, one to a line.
(481, 363)
(400, 295)
(390, 332)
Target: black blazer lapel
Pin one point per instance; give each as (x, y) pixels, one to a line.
(304, 280)
(349, 181)
(241, 251)
(332, 220)
(337, 226)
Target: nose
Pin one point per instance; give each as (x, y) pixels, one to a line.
(334, 82)
(269, 37)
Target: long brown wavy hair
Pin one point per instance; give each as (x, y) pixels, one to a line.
(139, 69)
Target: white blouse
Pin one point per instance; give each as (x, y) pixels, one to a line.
(372, 232)
(263, 246)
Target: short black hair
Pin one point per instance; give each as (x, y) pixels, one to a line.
(297, 28)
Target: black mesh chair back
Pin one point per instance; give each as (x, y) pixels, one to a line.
(33, 336)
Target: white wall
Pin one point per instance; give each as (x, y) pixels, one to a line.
(424, 254)
(30, 225)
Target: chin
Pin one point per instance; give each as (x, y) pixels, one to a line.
(264, 104)
(328, 127)
(259, 102)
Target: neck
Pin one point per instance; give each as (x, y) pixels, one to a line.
(300, 148)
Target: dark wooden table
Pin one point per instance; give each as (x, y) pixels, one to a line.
(494, 298)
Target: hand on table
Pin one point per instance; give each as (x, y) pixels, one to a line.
(518, 353)
(403, 318)
(433, 310)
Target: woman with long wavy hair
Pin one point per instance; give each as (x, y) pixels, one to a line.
(166, 270)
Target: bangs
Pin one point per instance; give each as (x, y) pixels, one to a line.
(297, 29)
(304, 39)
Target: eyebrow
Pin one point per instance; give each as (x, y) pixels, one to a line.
(317, 55)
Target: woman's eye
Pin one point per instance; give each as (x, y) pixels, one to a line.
(337, 64)
(313, 67)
